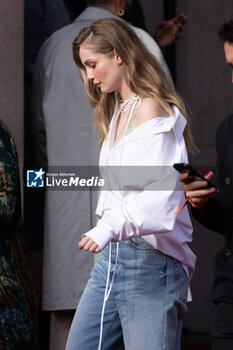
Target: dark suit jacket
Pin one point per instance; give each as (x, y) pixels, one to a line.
(218, 215)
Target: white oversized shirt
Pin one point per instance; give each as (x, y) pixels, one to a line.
(136, 210)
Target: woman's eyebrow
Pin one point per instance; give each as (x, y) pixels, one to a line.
(88, 61)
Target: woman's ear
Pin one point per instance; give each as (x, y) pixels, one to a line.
(117, 57)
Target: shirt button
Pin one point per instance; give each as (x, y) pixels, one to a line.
(227, 181)
(227, 252)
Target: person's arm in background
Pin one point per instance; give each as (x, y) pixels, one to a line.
(167, 32)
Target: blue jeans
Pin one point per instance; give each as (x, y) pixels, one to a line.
(146, 305)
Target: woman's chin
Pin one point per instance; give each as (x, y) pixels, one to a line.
(106, 91)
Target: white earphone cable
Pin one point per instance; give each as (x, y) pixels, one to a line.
(107, 290)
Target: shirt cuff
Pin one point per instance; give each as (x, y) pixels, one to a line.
(100, 236)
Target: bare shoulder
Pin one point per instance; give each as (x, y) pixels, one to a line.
(150, 108)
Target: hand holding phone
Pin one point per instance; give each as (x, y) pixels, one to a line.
(194, 174)
(197, 192)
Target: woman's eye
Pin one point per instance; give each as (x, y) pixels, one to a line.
(93, 66)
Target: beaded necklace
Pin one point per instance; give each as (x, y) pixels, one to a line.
(124, 105)
(129, 106)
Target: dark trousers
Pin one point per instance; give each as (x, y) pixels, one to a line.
(222, 331)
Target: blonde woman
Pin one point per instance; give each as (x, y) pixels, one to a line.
(136, 296)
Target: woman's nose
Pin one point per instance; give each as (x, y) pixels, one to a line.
(90, 75)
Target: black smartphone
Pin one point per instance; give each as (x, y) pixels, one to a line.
(194, 173)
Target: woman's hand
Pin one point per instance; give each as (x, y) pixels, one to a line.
(87, 243)
(196, 190)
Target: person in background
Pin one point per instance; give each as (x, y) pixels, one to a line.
(17, 302)
(166, 32)
(138, 287)
(75, 7)
(215, 211)
(41, 19)
(62, 125)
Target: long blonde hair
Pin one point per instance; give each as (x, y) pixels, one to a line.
(142, 71)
